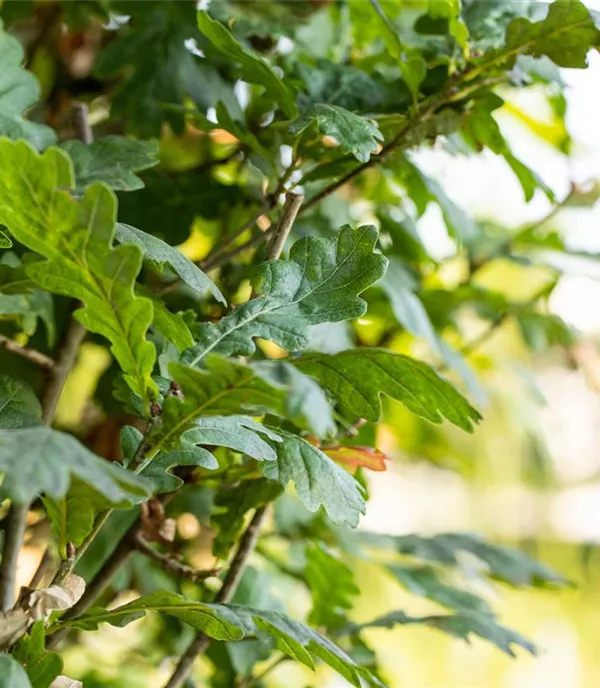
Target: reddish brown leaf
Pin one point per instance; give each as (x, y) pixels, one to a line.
(353, 457)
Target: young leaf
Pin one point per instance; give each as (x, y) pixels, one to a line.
(357, 135)
(12, 674)
(42, 667)
(317, 479)
(38, 460)
(19, 90)
(19, 407)
(234, 622)
(159, 468)
(240, 433)
(232, 505)
(332, 586)
(254, 69)
(319, 283)
(354, 456)
(113, 160)
(5, 241)
(76, 238)
(460, 626)
(160, 254)
(305, 402)
(224, 388)
(171, 325)
(358, 377)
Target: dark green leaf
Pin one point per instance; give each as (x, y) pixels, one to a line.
(159, 468)
(224, 388)
(160, 254)
(254, 68)
(232, 505)
(19, 407)
(38, 460)
(317, 479)
(113, 160)
(305, 402)
(158, 69)
(319, 283)
(358, 377)
(355, 134)
(240, 433)
(42, 667)
(233, 622)
(19, 90)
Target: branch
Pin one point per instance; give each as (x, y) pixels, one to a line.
(37, 357)
(238, 565)
(172, 565)
(249, 539)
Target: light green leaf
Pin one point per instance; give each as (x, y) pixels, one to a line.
(112, 160)
(171, 325)
(19, 407)
(357, 135)
(565, 35)
(305, 402)
(19, 90)
(232, 505)
(317, 479)
(160, 254)
(461, 626)
(224, 388)
(254, 69)
(240, 433)
(234, 622)
(159, 468)
(42, 667)
(76, 238)
(332, 586)
(12, 674)
(319, 283)
(358, 377)
(38, 460)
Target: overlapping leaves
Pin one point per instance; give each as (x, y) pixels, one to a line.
(319, 283)
(76, 239)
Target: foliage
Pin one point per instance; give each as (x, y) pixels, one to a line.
(251, 375)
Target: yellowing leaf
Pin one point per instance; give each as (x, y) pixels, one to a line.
(354, 457)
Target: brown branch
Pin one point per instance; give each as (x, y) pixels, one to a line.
(238, 565)
(37, 357)
(172, 565)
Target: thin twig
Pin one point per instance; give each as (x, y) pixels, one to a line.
(253, 680)
(37, 357)
(238, 565)
(293, 201)
(16, 523)
(171, 564)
